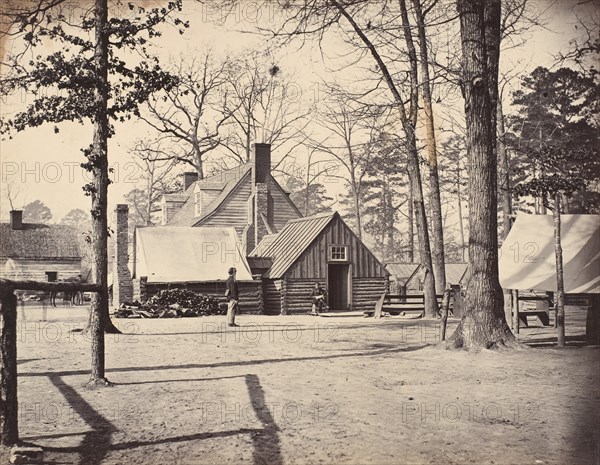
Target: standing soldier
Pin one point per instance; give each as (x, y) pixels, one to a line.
(232, 294)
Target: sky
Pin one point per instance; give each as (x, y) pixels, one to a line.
(39, 164)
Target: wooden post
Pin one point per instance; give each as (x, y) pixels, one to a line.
(445, 305)
(515, 313)
(9, 426)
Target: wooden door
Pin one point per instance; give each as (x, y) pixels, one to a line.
(338, 283)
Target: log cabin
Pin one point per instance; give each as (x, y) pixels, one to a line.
(285, 253)
(38, 252)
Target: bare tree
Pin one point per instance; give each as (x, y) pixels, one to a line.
(264, 105)
(191, 115)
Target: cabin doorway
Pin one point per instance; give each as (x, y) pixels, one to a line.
(338, 286)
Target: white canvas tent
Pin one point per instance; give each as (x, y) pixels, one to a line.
(527, 259)
(169, 254)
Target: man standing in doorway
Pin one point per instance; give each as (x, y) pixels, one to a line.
(232, 294)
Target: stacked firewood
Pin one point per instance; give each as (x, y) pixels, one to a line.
(173, 303)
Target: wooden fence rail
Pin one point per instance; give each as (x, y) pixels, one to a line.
(9, 425)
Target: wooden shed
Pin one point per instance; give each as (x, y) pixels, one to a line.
(39, 252)
(323, 249)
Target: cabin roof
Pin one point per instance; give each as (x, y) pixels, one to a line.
(401, 271)
(39, 241)
(287, 245)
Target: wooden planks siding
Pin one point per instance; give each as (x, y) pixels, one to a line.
(36, 269)
(314, 260)
(234, 211)
(282, 210)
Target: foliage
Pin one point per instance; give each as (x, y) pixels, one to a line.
(311, 199)
(36, 212)
(76, 218)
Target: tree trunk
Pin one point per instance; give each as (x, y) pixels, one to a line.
(99, 316)
(410, 257)
(460, 215)
(504, 173)
(435, 204)
(560, 286)
(483, 323)
(9, 425)
(389, 219)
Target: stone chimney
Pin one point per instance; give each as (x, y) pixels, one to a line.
(260, 203)
(122, 284)
(16, 219)
(189, 178)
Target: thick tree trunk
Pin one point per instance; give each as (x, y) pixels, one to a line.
(560, 283)
(435, 204)
(483, 323)
(9, 425)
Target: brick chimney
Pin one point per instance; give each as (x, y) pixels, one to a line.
(122, 284)
(260, 203)
(189, 178)
(16, 219)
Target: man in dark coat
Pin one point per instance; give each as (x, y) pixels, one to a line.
(233, 296)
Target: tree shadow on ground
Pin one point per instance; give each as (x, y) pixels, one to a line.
(97, 444)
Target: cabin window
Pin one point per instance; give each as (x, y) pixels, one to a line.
(51, 276)
(338, 252)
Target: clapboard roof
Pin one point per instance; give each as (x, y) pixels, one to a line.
(182, 254)
(527, 259)
(39, 241)
(454, 273)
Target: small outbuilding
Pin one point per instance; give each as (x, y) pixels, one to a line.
(38, 252)
(323, 249)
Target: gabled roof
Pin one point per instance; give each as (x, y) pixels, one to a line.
(455, 272)
(291, 241)
(226, 180)
(527, 259)
(401, 271)
(183, 254)
(259, 250)
(39, 241)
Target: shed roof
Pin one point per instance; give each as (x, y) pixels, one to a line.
(401, 271)
(183, 254)
(455, 272)
(527, 259)
(39, 241)
(291, 241)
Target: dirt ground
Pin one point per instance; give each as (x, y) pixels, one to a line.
(304, 390)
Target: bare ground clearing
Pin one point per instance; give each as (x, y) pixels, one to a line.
(304, 390)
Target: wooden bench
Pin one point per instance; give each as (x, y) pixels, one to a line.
(542, 314)
(399, 304)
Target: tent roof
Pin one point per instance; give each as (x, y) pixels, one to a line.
(185, 254)
(527, 259)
